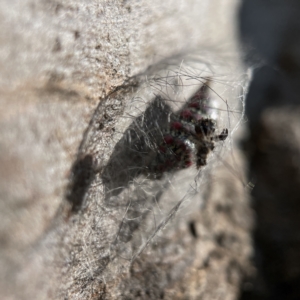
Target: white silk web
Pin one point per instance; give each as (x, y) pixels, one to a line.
(130, 207)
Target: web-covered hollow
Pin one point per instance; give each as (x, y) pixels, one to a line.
(156, 167)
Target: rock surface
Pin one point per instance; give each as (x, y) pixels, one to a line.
(68, 72)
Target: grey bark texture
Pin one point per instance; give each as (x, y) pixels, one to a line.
(68, 72)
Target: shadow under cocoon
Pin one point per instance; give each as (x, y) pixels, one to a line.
(134, 152)
(124, 188)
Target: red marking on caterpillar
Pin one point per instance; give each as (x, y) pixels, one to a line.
(190, 137)
(186, 114)
(169, 140)
(177, 126)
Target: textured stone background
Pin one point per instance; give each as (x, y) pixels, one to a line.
(67, 71)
